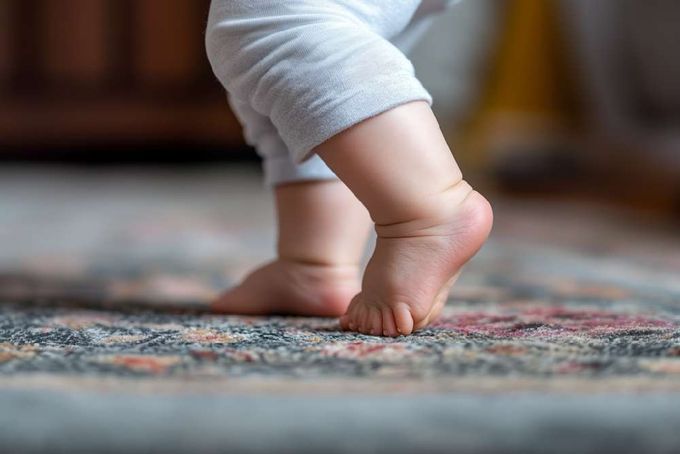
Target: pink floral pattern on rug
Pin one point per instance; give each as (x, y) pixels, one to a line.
(492, 340)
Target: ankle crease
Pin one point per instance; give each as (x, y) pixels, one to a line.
(430, 212)
(316, 261)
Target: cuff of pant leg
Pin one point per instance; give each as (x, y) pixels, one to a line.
(370, 99)
(282, 169)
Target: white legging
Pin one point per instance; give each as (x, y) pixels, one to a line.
(299, 72)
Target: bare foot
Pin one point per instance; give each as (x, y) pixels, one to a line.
(415, 263)
(317, 270)
(293, 288)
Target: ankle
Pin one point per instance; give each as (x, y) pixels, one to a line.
(320, 224)
(312, 260)
(437, 208)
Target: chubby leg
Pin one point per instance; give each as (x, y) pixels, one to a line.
(322, 230)
(429, 221)
(322, 233)
(329, 83)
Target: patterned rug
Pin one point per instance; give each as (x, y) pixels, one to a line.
(105, 279)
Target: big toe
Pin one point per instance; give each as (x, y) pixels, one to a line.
(403, 318)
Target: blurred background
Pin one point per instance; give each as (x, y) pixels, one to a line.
(558, 98)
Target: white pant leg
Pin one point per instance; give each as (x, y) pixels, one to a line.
(259, 132)
(313, 68)
(277, 162)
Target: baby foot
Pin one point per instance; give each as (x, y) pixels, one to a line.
(292, 288)
(415, 263)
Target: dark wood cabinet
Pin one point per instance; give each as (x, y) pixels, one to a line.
(101, 71)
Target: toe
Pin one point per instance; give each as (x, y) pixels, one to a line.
(354, 318)
(388, 325)
(352, 315)
(403, 319)
(375, 321)
(347, 320)
(362, 319)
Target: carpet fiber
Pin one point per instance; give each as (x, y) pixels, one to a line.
(104, 279)
(515, 339)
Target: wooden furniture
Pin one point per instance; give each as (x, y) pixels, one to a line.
(94, 72)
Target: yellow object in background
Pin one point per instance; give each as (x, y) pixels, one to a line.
(528, 98)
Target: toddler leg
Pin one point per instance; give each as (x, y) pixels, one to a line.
(317, 268)
(331, 83)
(429, 221)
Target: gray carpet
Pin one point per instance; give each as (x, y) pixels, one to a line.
(563, 335)
(523, 423)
